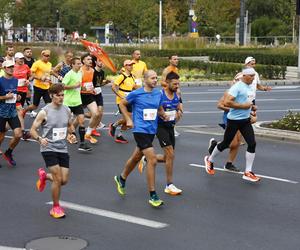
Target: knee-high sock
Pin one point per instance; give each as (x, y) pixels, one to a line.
(249, 161)
(214, 154)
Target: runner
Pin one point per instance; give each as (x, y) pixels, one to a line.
(146, 103)
(72, 99)
(10, 53)
(239, 100)
(22, 73)
(8, 112)
(28, 59)
(62, 68)
(88, 97)
(98, 81)
(165, 131)
(55, 121)
(41, 70)
(139, 68)
(122, 86)
(173, 63)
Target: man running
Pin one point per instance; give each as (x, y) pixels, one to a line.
(88, 97)
(146, 106)
(28, 59)
(22, 73)
(165, 131)
(10, 53)
(72, 99)
(139, 68)
(239, 100)
(8, 112)
(41, 70)
(62, 68)
(122, 86)
(55, 121)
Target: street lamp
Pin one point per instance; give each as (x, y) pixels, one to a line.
(242, 22)
(160, 24)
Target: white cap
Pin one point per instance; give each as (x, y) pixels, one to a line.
(19, 55)
(249, 59)
(7, 63)
(248, 71)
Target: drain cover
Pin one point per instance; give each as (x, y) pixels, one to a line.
(57, 242)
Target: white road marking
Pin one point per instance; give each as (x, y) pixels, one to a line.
(10, 248)
(260, 111)
(285, 87)
(258, 100)
(113, 215)
(202, 132)
(262, 176)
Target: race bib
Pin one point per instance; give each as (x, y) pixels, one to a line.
(149, 114)
(98, 90)
(138, 82)
(171, 115)
(21, 82)
(59, 134)
(12, 100)
(88, 86)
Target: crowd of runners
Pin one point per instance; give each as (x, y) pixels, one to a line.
(145, 108)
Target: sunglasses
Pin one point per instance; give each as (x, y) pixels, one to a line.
(46, 55)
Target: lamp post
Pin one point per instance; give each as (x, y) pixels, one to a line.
(160, 25)
(242, 22)
(58, 26)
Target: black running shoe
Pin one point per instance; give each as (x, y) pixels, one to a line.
(230, 167)
(112, 130)
(120, 139)
(211, 145)
(84, 147)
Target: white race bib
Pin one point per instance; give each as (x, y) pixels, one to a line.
(59, 134)
(88, 86)
(149, 114)
(21, 82)
(171, 115)
(12, 100)
(138, 82)
(98, 90)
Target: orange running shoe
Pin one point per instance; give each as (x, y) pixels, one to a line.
(41, 182)
(250, 176)
(142, 164)
(90, 138)
(209, 166)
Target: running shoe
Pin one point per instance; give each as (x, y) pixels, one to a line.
(176, 133)
(83, 146)
(209, 166)
(120, 187)
(250, 176)
(57, 212)
(33, 114)
(211, 145)
(9, 159)
(90, 138)
(230, 167)
(41, 182)
(121, 139)
(101, 125)
(95, 133)
(26, 135)
(172, 190)
(155, 201)
(142, 164)
(111, 130)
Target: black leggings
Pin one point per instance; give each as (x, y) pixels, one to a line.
(245, 127)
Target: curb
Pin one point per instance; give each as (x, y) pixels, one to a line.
(277, 134)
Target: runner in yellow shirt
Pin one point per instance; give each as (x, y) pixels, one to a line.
(139, 68)
(122, 86)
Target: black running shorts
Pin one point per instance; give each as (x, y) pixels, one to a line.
(13, 123)
(143, 140)
(55, 158)
(165, 136)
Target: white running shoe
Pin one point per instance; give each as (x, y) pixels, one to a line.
(101, 125)
(33, 114)
(176, 133)
(172, 190)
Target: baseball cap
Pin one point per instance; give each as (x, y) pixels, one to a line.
(7, 63)
(248, 71)
(128, 62)
(249, 59)
(19, 55)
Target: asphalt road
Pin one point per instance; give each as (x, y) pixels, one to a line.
(214, 212)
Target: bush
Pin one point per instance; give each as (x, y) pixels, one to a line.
(291, 121)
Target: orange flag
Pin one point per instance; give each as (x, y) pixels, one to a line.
(96, 50)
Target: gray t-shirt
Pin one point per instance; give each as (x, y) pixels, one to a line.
(55, 128)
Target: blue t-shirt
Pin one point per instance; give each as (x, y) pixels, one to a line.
(144, 110)
(170, 107)
(243, 93)
(8, 107)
